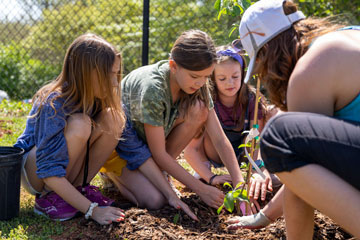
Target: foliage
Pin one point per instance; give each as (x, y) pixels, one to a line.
(342, 9)
(21, 75)
(236, 194)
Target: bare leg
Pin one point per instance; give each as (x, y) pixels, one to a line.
(195, 155)
(299, 217)
(102, 143)
(77, 133)
(134, 186)
(324, 191)
(185, 128)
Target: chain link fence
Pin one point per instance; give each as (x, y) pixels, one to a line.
(34, 34)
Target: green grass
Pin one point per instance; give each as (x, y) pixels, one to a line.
(28, 225)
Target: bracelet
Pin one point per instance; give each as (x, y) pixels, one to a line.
(212, 178)
(90, 210)
(259, 163)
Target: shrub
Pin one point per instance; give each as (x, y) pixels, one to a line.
(21, 75)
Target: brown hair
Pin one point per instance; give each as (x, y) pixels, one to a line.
(245, 92)
(88, 52)
(276, 60)
(194, 50)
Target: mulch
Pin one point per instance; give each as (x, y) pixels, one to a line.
(169, 223)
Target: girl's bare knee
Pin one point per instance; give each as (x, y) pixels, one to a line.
(197, 113)
(154, 201)
(78, 126)
(107, 123)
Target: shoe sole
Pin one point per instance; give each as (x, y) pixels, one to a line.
(38, 212)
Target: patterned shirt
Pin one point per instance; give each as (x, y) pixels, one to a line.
(147, 97)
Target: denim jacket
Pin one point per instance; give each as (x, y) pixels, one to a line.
(46, 132)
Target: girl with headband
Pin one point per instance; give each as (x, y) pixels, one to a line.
(234, 104)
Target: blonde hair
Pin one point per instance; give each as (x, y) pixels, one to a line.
(87, 53)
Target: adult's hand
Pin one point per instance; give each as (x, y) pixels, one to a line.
(260, 186)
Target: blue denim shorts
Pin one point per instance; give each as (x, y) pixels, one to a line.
(132, 148)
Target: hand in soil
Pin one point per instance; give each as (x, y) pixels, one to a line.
(107, 215)
(258, 184)
(178, 204)
(221, 179)
(255, 221)
(212, 196)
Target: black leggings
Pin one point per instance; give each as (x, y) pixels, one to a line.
(292, 140)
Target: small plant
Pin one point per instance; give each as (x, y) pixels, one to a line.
(234, 197)
(176, 218)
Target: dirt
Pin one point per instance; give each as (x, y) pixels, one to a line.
(160, 224)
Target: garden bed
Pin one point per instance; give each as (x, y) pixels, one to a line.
(160, 224)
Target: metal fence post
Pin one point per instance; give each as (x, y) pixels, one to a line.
(145, 36)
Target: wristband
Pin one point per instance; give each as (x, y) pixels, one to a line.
(211, 179)
(259, 163)
(90, 210)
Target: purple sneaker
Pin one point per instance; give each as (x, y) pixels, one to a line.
(54, 207)
(94, 195)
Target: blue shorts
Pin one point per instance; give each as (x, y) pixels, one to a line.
(132, 148)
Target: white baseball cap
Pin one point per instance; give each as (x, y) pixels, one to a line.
(261, 22)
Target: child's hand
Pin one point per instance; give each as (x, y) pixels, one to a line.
(178, 204)
(107, 215)
(221, 179)
(212, 196)
(257, 184)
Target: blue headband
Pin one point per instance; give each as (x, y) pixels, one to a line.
(231, 53)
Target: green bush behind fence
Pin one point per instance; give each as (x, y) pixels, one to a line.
(35, 35)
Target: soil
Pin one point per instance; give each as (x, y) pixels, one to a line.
(160, 224)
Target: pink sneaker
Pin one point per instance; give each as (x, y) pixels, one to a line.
(54, 207)
(94, 195)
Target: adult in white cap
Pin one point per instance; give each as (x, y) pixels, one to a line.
(310, 68)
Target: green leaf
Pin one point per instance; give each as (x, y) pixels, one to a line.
(246, 4)
(241, 195)
(243, 165)
(227, 184)
(176, 218)
(219, 209)
(239, 184)
(244, 145)
(236, 10)
(232, 30)
(220, 13)
(229, 201)
(217, 5)
(240, 7)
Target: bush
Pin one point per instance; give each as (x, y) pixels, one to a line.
(21, 75)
